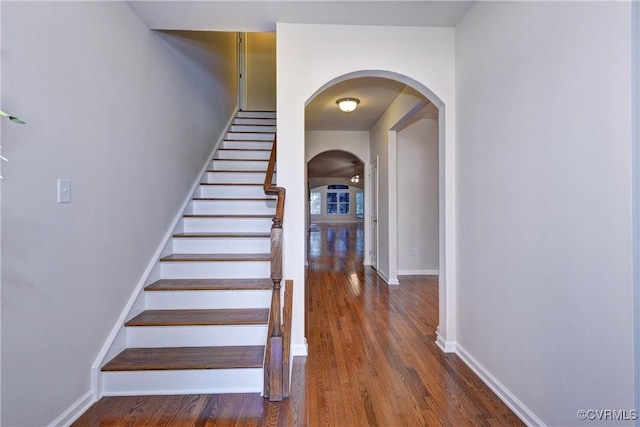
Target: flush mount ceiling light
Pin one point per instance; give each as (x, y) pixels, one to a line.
(348, 104)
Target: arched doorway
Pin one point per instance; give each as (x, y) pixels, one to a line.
(410, 101)
(335, 183)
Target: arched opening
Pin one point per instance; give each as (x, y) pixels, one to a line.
(399, 104)
(335, 194)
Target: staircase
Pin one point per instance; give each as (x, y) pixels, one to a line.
(203, 328)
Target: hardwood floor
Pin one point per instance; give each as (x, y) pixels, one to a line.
(372, 360)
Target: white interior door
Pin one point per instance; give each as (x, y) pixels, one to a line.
(374, 214)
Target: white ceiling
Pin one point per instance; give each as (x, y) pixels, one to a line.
(375, 95)
(259, 16)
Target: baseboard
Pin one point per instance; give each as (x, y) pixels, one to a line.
(389, 282)
(446, 346)
(74, 411)
(119, 325)
(418, 272)
(300, 349)
(520, 409)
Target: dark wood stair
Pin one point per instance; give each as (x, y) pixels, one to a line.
(233, 199)
(235, 216)
(221, 235)
(183, 323)
(215, 257)
(181, 358)
(201, 317)
(209, 284)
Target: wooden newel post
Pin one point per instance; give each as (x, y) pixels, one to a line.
(274, 369)
(275, 359)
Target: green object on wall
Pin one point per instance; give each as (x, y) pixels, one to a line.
(12, 118)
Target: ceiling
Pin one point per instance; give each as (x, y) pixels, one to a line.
(322, 113)
(334, 164)
(375, 95)
(214, 15)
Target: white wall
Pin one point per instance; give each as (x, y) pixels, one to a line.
(417, 182)
(544, 203)
(261, 71)
(130, 119)
(635, 120)
(384, 145)
(312, 56)
(319, 141)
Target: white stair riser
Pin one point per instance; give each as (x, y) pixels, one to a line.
(221, 245)
(260, 114)
(249, 154)
(216, 225)
(247, 145)
(249, 136)
(252, 128)
(195, 336)
(235, 177)
(217, 269)
(219, 207)
(239, 165)
(253, 121)
(231, 191)
(197, 381)
(183, 300)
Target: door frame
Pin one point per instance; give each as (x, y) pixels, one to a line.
(242, 69)
(371, 194)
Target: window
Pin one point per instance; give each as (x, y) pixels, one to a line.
(338, 203)
(314, 203)
(360, 204)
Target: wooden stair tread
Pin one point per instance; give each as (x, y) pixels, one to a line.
(200, 317)
(257, 124)
(235, 171)
(206, 235)
(244, 149)
(226, 216)
(210, 284)
(231, 183)
(262, 132)
(242, 160)
(234, 199)
(179, 358)
(266, 141)
(215, 257)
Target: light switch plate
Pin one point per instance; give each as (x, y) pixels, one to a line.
(64, 190)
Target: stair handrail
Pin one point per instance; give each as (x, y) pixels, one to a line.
(274, 356)
(271, 189)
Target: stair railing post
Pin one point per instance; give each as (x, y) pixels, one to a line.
(274, 358)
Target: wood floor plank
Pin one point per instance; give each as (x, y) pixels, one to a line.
(372, 355)
(167, 358)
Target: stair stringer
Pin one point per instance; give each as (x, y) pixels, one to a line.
(116, 341)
